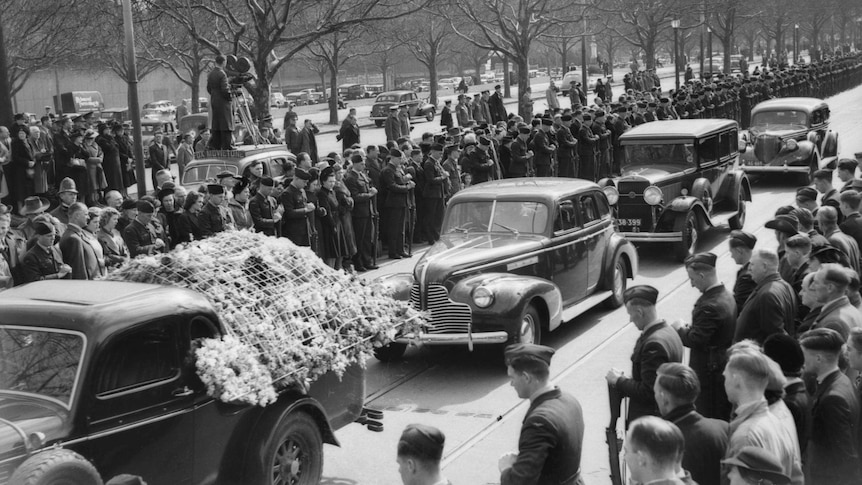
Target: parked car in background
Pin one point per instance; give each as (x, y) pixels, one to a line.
(790, 135)
(517, 258)
(449, 83)
(203, 104)
(313, 95)
(417, 108)
(351, 91)
(679, 178)
(163, 108)
(372, 90)
(277, 100)
(565, 83)
(487, 77)
(116, 114)
(297, 98)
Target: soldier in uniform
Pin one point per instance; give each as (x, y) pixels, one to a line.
(552, 434)
(544, 149)
(657, 344)
(44, 261)
(139, 235)
(264, 218)
(741, 246)
(587, 142)
(210, 218)
(710, 333)
(434, 193)
(566, 153)
(295, 222)
(363, 193)
(397, 185)
(392, 125)
(521, 163)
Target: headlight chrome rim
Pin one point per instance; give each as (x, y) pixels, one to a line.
(612, 194)
(652, 195)
(483, 297)
(791, 144)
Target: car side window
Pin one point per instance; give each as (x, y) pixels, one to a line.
(276, 166)
(727, 145)
(566, 218)
(142, 356)
(589, 211)
(817, 117)
(707, 150)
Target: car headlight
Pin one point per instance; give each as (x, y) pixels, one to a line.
(790, 144)
(483, 297)
(652, 195)
(612, 194)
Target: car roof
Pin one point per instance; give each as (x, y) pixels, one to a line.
(801, 104)
(95, 307)
(398, 93)
(241, 152)
(541, 188)
(674, 129)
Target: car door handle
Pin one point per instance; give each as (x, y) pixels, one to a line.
(182, 392)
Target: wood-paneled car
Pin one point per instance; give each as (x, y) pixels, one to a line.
(516, 259)
(790, 135)
(98, 379)
(679, 178)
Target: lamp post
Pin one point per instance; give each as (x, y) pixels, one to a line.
(795, 43)
(134, 105)
(675, 24)
(709, 48)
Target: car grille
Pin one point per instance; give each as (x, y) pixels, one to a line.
(766, 147)
(5, 474)
(633, 214)
(444, 315)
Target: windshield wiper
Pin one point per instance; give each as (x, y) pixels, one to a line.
(513, 231)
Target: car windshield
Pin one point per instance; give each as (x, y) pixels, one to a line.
(387, 98)
(779, 119)
(669, 157)
(516, 217)
(206, 172)
(150, 129)
(43, 362)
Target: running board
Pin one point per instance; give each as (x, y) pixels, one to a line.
(585, 305)
(722, 218)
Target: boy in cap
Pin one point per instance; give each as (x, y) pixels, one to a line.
(832, 456)
(658, 344)
(420, 449)
(710, 333)
(552, 433)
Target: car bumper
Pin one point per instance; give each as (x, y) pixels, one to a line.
(660, 237)
(775, 169)
(477, 338)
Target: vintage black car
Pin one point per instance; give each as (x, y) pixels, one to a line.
(207, 164)
(416, 108)
(517, 258)
(679, 178)
(98, 379)
(790, 135)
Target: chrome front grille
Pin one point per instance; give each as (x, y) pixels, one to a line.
(444, 315)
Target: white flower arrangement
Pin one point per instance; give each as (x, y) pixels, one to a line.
(288, 317)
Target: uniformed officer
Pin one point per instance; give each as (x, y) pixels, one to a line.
(741, 245)
(710, 333)
(295, 223)
(552, 434)
(521, 163)
(658, 344)
(140, 236)
(44, 261)
(210, 218)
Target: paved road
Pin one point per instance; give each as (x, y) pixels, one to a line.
(468, 396)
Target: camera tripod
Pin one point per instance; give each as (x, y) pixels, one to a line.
(240, 104)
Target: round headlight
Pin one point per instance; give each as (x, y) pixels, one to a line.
(483, 297)
(612, 194)
(790, 144)
(652, 195)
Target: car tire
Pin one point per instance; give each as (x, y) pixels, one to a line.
(430, 116)
(378, 123)
(618, 285)
(737, 221)
(690, 234)
(529, 327)
(56, 466)
(294, 454)
(390, 352)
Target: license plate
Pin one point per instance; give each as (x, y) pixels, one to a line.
(630, 222)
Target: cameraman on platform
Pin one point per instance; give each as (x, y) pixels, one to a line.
(221, 121)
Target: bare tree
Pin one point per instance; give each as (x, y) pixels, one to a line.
(390, 54)
(725, 16)
(642, 22)
(428, 38)
(773, 18)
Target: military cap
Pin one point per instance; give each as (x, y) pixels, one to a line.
(798, 241)
(588, 117)
(484, 140)
(599, 113)
(651, 104)
(507, 139)
(224, 174)
(43, 228)
(128, 204)
(786, 351)
(268, 181)
(763, 465)
(824, 339)
(164, 192)
(823, 174)
(145, 206)
(215, 189)
(641, 292)
(422, 441)
(393, 107)
(395, 153)
(785, 223)
(547, 122)
(566, 118)
(454, 131)
(76, 133)
(540, 353)
(848, 164)
(664, 100)
(808, 193)
(448, 101)
(641, 104)
(301, 173)
(436, 147)
(415, 151)
(701, 259)
(743, 238)
(524, 130)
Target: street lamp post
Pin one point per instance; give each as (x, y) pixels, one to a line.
(675, 24)
(795, 44)
(709, 48)
(134, 105)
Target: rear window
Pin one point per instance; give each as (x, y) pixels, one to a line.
(387, 98)
(201, 173)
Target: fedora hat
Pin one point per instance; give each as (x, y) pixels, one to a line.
(68, 185)
(35, 205)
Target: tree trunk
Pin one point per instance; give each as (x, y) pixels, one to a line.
(6, 114)
(260, 96)
(523, 83)
(432, 78)
(507, 91)
(195, 76)
(649, 52)
(564, 59)
(323, 85)
(333, 100)
(726, 45)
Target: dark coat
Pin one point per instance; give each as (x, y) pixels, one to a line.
(705, 443)
(38, 263)
(435, 182)
(188, 228)
(392, 178)
(832, 456)
(479, 165)
(543, 149)
(770, 309)
(657, 345)
(295, 224)
(743, 287)
(260, 207)
(852, 226)
(796, 399)
(220, 109)
(446, 117)
(126, 155)
(293, 139)
(115, 251)
(140, 239)
(210, 220)
(111, 162)
(520, 162)
(550, 443)
(497, 107)
(330, 222)
(392, 127)
(359, 186)
(78, 254)
(713, 322)
(158, 158)
(16, 171)
(349, 133)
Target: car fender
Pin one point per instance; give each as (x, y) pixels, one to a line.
(829, 148)
(679, 207)
(733, 182)
(619, 247)
(398, 285)
(512, 293)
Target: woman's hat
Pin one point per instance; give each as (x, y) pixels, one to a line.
(35, 205)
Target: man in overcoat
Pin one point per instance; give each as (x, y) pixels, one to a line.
(741, 245)
(771, 307)
(210, 218)
(397, 185)
(830, 288)
(544, 148)
(392, 125)
(295, 223)
(434, 192)
(139, 235)
(658, 344)
(264, 218)
(44, 261)
(220, 106)
(363, 192)
(77, 253)
(710, 334)
(552, 433)
(495, 104)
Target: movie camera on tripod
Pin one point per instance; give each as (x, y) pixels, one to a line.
(237, 69)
